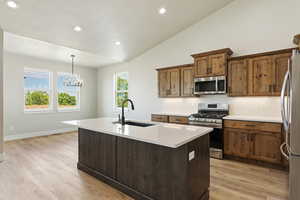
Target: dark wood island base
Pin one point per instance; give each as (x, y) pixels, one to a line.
(147, 171)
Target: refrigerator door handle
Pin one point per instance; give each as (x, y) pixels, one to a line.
(283, 105)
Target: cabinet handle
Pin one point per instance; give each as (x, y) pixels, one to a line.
(250, 125)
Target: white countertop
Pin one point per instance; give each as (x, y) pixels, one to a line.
(254, 118)
(169, 135)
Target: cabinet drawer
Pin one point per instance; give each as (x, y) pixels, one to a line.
(160, 118)
(178, 120)
(258, 126)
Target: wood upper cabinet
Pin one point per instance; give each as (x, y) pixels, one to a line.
(213, 63)
(174, 82)
(281, 63)
(238, 73)
(202, 66)
(177, 81)
(263, 75)
(164, 83)
(218, 64)
(259, 74)
(187, 81)
(168, 81)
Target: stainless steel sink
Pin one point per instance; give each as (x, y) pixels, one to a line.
(132, 123)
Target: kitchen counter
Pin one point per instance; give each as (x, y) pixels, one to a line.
(254, 118)
(143, 161)
(169, 135)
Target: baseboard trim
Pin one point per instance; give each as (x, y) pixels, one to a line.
(37, 134)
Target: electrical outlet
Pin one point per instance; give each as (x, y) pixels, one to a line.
(191, 155)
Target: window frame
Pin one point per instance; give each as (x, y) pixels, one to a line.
(45, 110)
(78, 105)
(116, 75)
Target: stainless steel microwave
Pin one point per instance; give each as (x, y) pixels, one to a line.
(210, 85)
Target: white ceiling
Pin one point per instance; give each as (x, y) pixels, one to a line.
(135, 23)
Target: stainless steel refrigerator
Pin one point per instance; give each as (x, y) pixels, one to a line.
(290, 111)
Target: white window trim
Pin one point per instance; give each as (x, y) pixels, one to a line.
(115, 107)
(45, 110)
(73, 109)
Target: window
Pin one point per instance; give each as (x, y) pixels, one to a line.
(37, 90)
(121, 89)
(68, 97)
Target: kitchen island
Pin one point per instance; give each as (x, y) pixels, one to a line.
(157, 162)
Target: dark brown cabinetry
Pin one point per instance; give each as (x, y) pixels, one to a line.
(146, 171)
(95, 155)
(176, 81)
(258, 74)
(253, 140)
(213, 63)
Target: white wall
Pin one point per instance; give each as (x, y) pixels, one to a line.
(20, 124)
(245, 26)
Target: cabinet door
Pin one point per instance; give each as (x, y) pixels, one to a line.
(236, 142)
(98, 151)
(174, 82)
(201, 66)
(217, 65)
(266, 147)
(238, 78)
(280, 66)
(263, 75)
(164, 83)
(187, 81)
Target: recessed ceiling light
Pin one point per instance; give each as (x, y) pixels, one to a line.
(162, 11)
(117, 43)
(12, 4)
(77, 28)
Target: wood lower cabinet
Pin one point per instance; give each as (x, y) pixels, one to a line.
(213, 63)
(177, 81)
(159, 118)
(258, 74)
(236, 142)
(266, 147)
(253, 140)
(178, 120)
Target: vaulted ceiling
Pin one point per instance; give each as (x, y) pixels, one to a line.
(46, 25)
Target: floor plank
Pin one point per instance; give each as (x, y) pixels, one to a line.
(45, 168)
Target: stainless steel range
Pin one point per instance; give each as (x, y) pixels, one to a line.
(211, 115)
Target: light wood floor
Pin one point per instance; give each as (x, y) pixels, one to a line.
(44, 168)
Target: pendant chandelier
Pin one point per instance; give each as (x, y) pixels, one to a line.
(73, 80)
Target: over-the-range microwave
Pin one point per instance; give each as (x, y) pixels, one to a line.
(210, 85)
